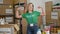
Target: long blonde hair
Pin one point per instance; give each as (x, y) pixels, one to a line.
(28, 6)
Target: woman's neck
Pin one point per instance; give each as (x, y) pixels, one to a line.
(30, 11)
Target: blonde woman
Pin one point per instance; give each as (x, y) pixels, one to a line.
(31, 17)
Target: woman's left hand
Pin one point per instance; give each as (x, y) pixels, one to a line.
(41, 11)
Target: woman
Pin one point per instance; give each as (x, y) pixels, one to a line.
(31, 17)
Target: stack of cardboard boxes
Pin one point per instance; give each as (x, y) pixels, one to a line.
(6, 9)
(52, 16)
(17, 1)
(9, 29)
(1, 9)
(48, 7)
(7, 1)
(50, 13)
(5, 4)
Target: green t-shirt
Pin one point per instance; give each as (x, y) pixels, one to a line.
(31, 18)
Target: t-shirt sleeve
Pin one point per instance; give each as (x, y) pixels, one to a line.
(38, 13)
(23, 15)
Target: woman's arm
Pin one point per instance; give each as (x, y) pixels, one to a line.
(41, 11)
(17, 13)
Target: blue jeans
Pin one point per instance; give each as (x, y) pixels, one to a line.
(32, 30)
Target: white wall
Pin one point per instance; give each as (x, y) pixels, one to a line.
(47, 0)
(40, 3)
(56, 1)
(36, 3)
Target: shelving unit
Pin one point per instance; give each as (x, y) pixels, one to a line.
(19, 20)
(6, 15)
(53, 22)
(7, 6)
(56, 7)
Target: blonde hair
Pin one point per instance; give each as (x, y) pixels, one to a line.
(28, 6)
(31, 3)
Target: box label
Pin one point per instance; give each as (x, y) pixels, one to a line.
(1, 1)
(9, 11)
(9, 19)
(54, 15)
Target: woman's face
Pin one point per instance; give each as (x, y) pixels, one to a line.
(30, 7)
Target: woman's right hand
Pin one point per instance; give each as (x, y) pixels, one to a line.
(18, 8)
(17, 12)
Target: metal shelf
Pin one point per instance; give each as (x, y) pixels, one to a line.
(5, 15)
(56, 7)
(6, 4)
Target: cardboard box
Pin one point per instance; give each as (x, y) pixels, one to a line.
(56, 17)
(59, 16)
(48, 9)
(8, 9)
(54, 33)
(24, 22)
(24, 26)
(39, 21)
(9, 19)
(23, 1)
(17, 1)
(24, 29)
(11, 27)
(16, 27)
(6, 1)
(2, 10)
(17, 21)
